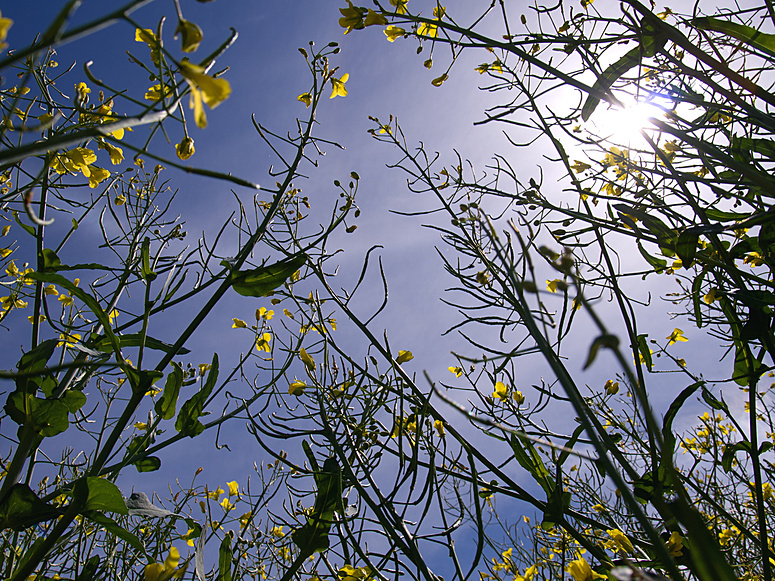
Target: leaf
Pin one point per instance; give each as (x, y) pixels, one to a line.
(713, 401)
(224, 557)
(85, 298)
(667, 422)
(21, 508)
(145, 261)
(686, 247)
(610, 341)
(74, 400)
(312, 537)
(48, 417)
(658, 264)
(165, 407)
(137, 340)
(50, 260)
(260, 281)
(188, 422)
(528, 457)
(753, 37)
(27, 228)
(608, 78)
(99, 494)
(148, 464)
(645, 352)
(89, 569)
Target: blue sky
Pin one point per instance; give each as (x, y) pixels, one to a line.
(267, 73)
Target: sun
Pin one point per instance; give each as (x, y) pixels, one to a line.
(624, 124)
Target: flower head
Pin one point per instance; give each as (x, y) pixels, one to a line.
(394, 32)
(676, 336)
(352, 18)
(204, 88)
(166, 570)
(191, 33)
(337, 86)
(185, 148)
(305, 98)
(581, 571)
(5, 24)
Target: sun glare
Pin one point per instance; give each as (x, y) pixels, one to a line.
(623, 124)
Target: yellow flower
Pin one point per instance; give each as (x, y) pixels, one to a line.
(97, 175)
(580, 166)
(68, 339)
(66, 300)
(400, 5)
(204, 368)
(185, 148)
(168, 569)
(675, 544)
(204, 88)
(140, 425)
(245, 519)
(233, 488)
(155, 92)
(116, 153)
(352, 18)
(676, 336)
(191, 33)
(305, 98)
(11, 302)
(439, 425)
(74, 160)
(620, 540)
(120, 200)
(426, 29)
(710, 297)
(337, 86)
(456, 371)
(581, 571)
(188, 537)
(263, 343)
(350, 573)
(307, 359)
(5, 24)
(238, 324)
(277, 532)
(404, 356)
(394, 32)
(501, 391)
(263, 313)
(215, 494)
(554, 285)
(5, 252)
(226, 504)
(518, 397)
(297, 388)
(373, 18)
(611, 387)
(147, 36)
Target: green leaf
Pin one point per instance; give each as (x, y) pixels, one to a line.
(608, 78)
(526, 454)
(645, 352)
(610, 341)
(312, 537)
(667, 422)
(48, 417)
(74, 400)
(731, 451)
(21, 508)
(145, 261)
(33, 361)
(89, 569)
(224, 557)
(187, 422)
(27, 228)
(99, 494)
(148, 464)
(85, 298)
(49, 260)
(686, 247)
(137, 340)
(658, 264)
(751, 36)
(165, 407)
(259, 281)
